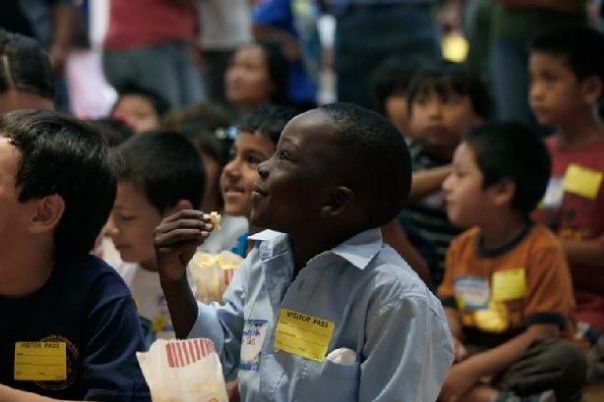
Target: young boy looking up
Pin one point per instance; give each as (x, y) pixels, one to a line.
(567, 78)
(56, 191)
(507, 287)
(444, 102)
(323, 311)
(158, 173)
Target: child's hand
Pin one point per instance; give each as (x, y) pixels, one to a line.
(177, 239)
(459, 350)
(460, 379)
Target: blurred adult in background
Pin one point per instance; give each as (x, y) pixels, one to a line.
(370, 31)
(293, 24)
(225, 26)
(513, 26)
(150, 44)
(26, 79)
(256, 76)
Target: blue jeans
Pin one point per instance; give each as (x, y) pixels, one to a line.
(167, 69)
(508, 63)
(368, 35)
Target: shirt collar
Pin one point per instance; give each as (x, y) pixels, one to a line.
(359, 250)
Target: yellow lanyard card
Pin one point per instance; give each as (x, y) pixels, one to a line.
(40, 361)
(582, 181)
(303, 335)
(508, 285)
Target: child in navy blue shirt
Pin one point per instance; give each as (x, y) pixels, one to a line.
(69, 327)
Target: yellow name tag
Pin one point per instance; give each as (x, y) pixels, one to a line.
(582, 181)
(40, 361)
(303, 335)
(508, 285)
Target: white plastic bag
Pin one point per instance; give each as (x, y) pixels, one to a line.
(183, 371)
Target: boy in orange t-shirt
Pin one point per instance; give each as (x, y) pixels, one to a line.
(507, 289)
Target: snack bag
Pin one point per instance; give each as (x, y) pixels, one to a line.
(212, 273)
(183, 371)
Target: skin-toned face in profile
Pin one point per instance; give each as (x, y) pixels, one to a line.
(240, 174)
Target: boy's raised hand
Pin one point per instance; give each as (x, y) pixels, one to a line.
(176, 240)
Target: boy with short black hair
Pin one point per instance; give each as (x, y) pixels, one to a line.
(57, 187)
(445, 100)
(507, 289)
(567, 80)
(323, 311)
(158, 173)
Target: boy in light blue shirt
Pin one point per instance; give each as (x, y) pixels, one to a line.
(320, 309)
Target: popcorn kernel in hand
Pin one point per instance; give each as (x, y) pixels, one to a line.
(215, 219)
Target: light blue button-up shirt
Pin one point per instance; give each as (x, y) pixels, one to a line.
(381, 309)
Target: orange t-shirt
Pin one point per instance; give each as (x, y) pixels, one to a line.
(501, 292)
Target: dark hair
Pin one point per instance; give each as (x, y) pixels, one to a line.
(24, 66)
(514, 152)
(582, 49)
(205, 125)
(278, 69)
(63, 156)
(268, 120)
(158, 102)
(375, 158)
(447, 77)
(164, 166)
(114, 131)
(391, 78)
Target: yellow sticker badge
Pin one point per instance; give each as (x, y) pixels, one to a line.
(582, 181)
(303, 335)
(40, 361)
(508, 285)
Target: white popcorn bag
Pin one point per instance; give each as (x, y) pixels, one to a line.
(183, 371)
(212, 273)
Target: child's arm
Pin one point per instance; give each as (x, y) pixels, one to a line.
(395, 237)
(464, 375)
(455, 326)
(15, 395)
(176, 240)
(585, 252)
(407, 350)
(426, 182)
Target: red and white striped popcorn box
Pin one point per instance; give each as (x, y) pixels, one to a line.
(183, 370)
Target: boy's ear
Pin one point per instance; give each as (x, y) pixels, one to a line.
(47, 213)
(339, 199)
(591, 89)
(179, 206)
(503, 192)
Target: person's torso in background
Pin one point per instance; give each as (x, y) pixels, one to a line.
(225, 24)
(573, 205)
(139, 23)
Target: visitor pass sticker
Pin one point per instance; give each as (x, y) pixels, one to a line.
(303, 335)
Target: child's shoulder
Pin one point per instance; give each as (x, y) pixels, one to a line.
(389, 270)
(90, 275)
(542, 239)
(468, 238)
